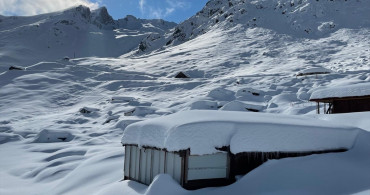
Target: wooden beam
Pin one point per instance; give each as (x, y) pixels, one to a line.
(318, 108)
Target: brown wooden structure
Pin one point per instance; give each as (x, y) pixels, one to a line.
(181, 75)
(348, 104)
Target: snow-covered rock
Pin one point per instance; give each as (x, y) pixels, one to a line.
(50, 136)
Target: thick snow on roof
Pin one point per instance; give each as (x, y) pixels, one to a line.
(362, 89)
(203, 131)
(313, 71)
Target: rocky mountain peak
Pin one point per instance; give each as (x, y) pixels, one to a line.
(298, 18)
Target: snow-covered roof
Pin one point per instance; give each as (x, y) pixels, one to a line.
(313, 71)
(202, 131)
(356, 90)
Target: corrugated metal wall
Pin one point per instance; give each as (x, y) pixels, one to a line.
(143, 164)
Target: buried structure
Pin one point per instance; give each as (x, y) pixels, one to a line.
(343, 99)
(209, 148)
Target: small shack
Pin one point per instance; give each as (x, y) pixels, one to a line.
(313, 71)
(343, 99)
(181, 75)
(202, 148)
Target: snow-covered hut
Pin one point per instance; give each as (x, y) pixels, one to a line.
(313, 71)
(181, 75)
(209, 148)
(343, 99)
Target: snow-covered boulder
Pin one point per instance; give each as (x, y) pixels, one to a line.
(204, 105)
(235, 106)
(50, 136)
(222, 94)
(313, 71)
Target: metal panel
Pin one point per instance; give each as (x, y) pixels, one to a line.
(162, 161)
(142, 165)
(213, 160)
(208, 166)
(170, 159)
(133, 162)
(148, 166)
(156, 163)
(137, 163)
(177, 168)
(127, 161)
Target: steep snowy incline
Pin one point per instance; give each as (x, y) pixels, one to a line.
(75, 32)
(297, 18)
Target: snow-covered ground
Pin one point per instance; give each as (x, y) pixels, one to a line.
(61, 122)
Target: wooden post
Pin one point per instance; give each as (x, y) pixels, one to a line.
(318, 107)
(324, 108)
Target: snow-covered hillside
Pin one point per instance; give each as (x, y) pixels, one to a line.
(75, 32)
(61, 121)
(298, 18)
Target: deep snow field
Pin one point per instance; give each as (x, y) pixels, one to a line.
(89, 102)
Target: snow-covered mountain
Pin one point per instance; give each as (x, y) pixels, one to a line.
(299, 18)
(251, 63)
(75, 32)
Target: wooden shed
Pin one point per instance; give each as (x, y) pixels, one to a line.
(181, 75)
(209, 148)
(342, 99)
(313, 71)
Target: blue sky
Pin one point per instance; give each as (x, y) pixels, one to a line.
(171, 10)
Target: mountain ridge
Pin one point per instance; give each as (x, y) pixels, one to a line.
(298, 18)
(73, 32)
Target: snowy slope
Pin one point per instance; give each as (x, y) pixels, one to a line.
(90, 100)
(298, 18)
(75, 32)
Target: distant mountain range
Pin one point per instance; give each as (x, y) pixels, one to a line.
(75, 32)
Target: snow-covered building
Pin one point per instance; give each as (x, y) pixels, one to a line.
(313, 71)
(209, 148)
(181, 75)
(343, 99)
